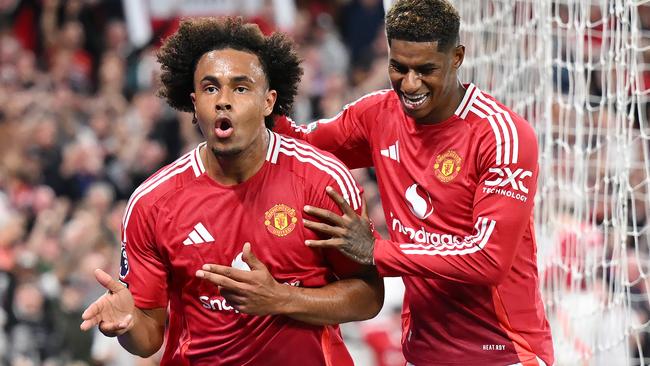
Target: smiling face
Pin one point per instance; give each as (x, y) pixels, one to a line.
(425, 79)
(231, 98)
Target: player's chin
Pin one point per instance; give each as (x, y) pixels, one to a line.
(225, 151)
(416, 114)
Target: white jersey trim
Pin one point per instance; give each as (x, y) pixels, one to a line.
(274, 147)
(307, 154)
(500, 120)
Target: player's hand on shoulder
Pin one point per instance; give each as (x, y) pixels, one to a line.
(114, 311)
(350, 233)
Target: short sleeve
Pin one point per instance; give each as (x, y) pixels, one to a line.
(142, 269)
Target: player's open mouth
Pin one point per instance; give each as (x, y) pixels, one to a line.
(223, 128)
(414, 101)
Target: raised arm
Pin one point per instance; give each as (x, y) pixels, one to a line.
(345, 135)
(502, 213)
(502, 216)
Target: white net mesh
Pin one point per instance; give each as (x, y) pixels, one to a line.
(576, 69)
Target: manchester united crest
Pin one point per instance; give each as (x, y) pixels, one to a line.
(280, 220)
(447, 166)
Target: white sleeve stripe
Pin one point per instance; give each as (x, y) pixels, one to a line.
(486, 228)
(477, 111)
(495, 107)
(497, 137)
(515, 138)
(340, 167)
(486, 110)
(150, 188)
(482, 224)
(195, 165)
(470, 104)
(276, 148)
(442, 253)
(199, 162)
(506, 139)
(501, 113)
(488, 233)
(466, 97)
(319, 165)
(269, 150)
(182, 161)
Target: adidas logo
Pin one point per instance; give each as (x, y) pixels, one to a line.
(392, 152)
(199, 235)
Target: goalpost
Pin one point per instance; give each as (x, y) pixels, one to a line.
(576, 69)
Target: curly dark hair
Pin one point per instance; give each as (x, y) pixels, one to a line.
(181, 52)
(424, 21)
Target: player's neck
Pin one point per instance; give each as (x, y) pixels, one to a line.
(447, 109)
(236, 169)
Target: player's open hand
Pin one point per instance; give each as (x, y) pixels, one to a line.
(253, 292)
(113, 312)
(350, 233)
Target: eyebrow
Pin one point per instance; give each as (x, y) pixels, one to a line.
(234, 79)
(423, 66)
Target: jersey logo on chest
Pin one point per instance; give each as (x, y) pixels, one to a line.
(447, 166)
(392, 152)
(419, 201)
(280, 220)
(198, 235)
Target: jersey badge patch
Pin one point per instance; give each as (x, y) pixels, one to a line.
(447, 166)
(280, 220)
(124, 262)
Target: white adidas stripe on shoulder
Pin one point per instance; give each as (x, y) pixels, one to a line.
(189, 160)
(307, 154)
(500, 120)
(506, 119)
(469, 96)
(307, 129)
(274, 147)
(471, 244)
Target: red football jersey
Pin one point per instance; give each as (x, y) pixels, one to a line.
(458, 200)
(180, 219)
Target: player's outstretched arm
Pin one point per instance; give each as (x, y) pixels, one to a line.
(256, 292)
(140, 331)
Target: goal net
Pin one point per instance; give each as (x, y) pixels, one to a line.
(576, 69)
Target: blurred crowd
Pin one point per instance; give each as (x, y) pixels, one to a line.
(81, 127)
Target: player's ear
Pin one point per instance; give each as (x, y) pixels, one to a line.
(458, 55)
(269, 101)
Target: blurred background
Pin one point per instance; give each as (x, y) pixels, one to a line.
(81, 127)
